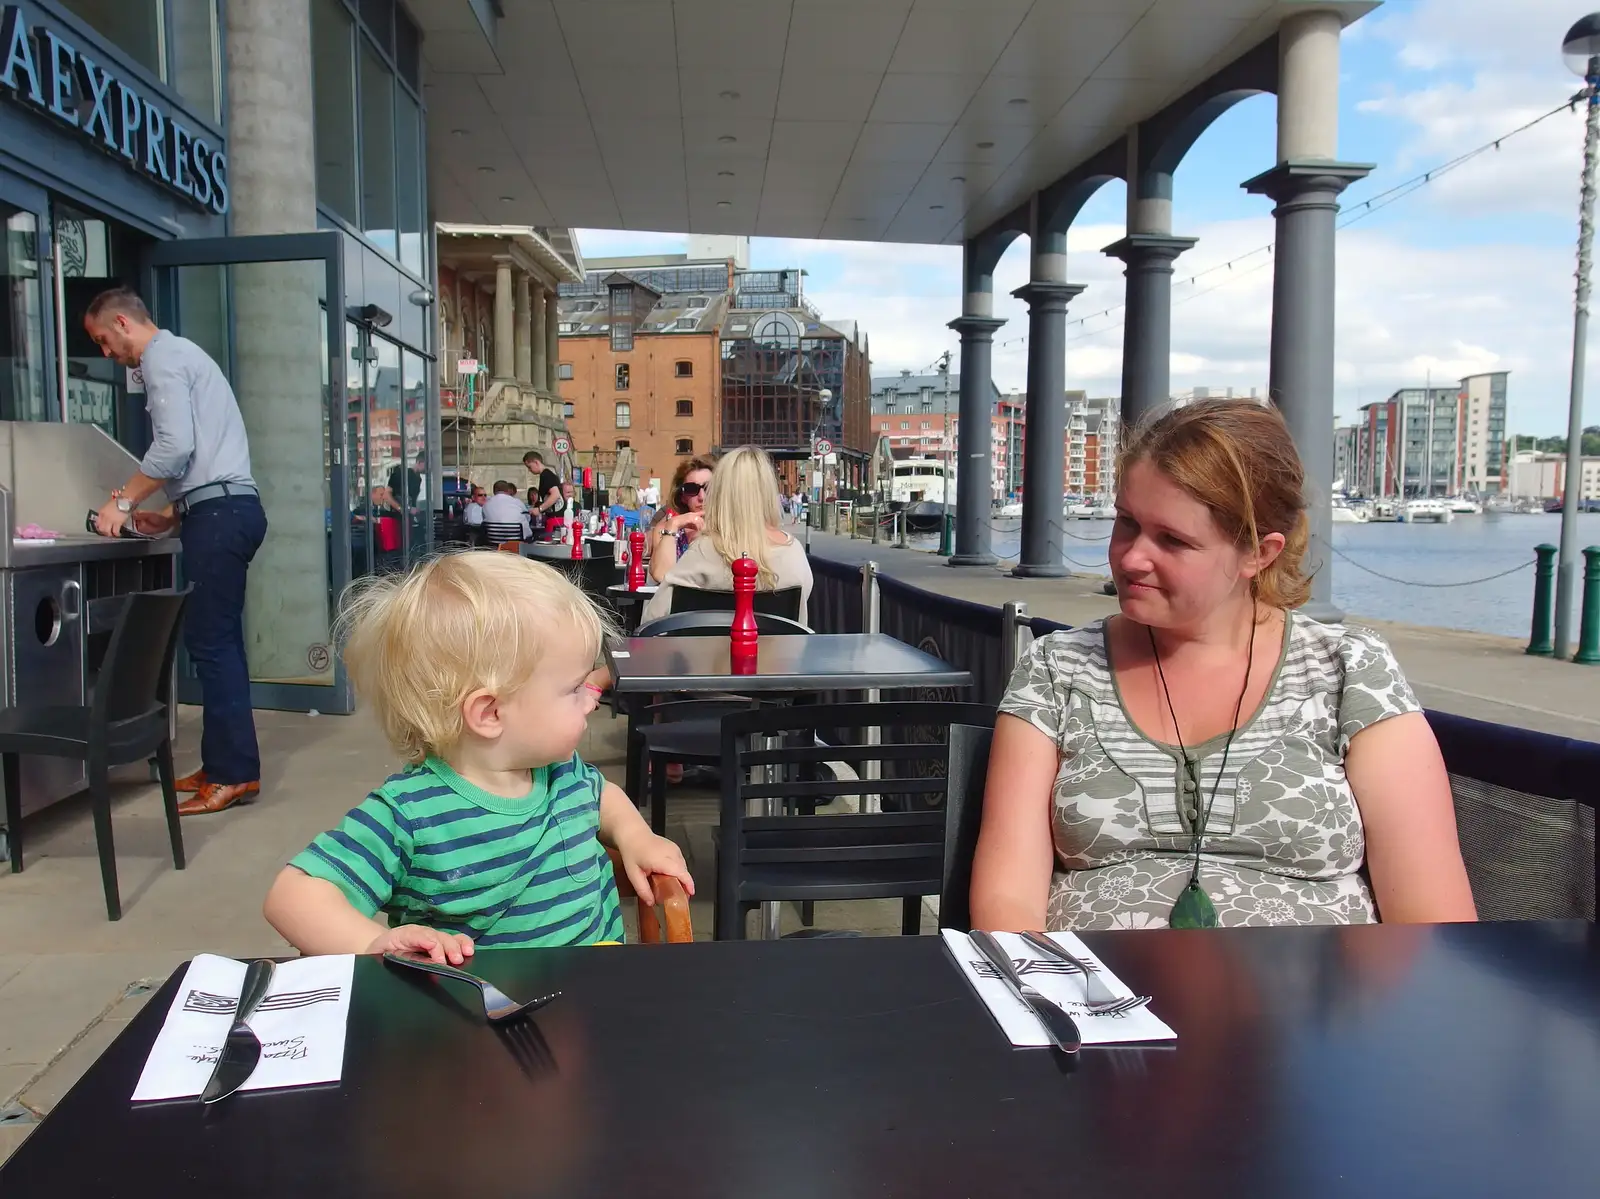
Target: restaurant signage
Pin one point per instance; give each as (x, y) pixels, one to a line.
(42, 69)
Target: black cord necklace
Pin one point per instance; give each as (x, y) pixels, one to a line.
(1194, 908)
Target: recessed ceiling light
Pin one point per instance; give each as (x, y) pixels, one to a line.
(485, 170)
(724, 174)
(958, 178)
(459, 133)
(986, 145)
(727, 139)
(728, 95)
(724, 203)
(1019, 101)
(935, 207)
(508, 199)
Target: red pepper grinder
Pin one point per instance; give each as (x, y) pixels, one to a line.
(636, 560)
(743, 633)
(577, 540)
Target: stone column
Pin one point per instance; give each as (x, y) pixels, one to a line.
(278, 322)
(541, 339)
(1147, 324)
(1305, 187)
(972, 447)
(505, 350)
(524, 333)
(1043, 455)
(552, 342)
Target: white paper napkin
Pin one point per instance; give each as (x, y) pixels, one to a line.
(1056, 981)
(301, 1023)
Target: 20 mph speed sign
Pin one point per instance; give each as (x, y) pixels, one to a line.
(823, 448)
(562, 445)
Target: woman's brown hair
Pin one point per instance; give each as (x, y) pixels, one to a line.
(1237, 458)
(685, 468)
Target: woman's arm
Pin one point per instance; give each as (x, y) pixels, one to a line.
(1399, 780)
(663, 549)
(1016, 852)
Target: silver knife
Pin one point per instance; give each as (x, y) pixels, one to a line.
(1060, 1026)
(241, 1052)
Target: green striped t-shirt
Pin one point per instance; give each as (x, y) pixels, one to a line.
(430, 848)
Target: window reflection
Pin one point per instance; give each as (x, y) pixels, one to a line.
(377, 151)
(194, 53)
(22, 386)
(132, 26)
(408, 179)
(333, 98)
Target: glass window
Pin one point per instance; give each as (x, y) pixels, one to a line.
(684, 446)
(408, 179)
(377, 151)
(194, 52)
(419, 461)
(624, 444)
(407, 49)
(333, 86)
(622, 376)
(566, 370)
(684, 370)
(378, 17)
(685, 407)
(624, 416)
(22, 389)
(567, 410)
(132, 26)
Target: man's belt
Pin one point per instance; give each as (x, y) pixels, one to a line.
(211, 491)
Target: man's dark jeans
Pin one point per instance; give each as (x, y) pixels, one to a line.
(220, 537)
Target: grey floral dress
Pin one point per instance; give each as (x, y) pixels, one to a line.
(1284, 843)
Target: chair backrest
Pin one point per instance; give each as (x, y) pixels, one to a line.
(963, 816)
(136, 675)
(783, 602)
(502, 531)
(592, 575)
(912, 771)
(717, 624)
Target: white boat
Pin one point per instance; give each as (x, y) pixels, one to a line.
(1383, 512)
(1098, 507)
(1011, 509)
(1462, 506)
(1345, 513)
(1427, 511)
(918, 489)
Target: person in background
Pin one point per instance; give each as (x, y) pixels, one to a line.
(495, 831)
(472, 514)
(1210, 756)
(679, 522)
(200, 455)
(741, 519)
(625, 503)
(503, 511)
(551, 503)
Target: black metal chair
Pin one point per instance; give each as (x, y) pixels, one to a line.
(592, 575)
(789, 856)
(501, 532)
(783, 602)
(963, 817)
(658, 732)
(125, 721)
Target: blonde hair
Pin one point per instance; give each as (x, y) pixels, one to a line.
(417, 644)
(1237, 458)
(626, 496)
(741, 506)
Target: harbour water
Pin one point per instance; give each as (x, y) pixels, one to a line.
(1469, 548)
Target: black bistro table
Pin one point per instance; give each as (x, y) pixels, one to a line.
(1320, 1063)
(818, 662)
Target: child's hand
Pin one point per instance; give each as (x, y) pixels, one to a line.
(442, 947)
(645, 854)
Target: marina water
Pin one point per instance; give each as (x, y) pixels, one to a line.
(1468, 548)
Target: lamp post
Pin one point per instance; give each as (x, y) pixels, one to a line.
(1581, 49)
(824, 398)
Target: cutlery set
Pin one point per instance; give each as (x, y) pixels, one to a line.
(1058, 1024)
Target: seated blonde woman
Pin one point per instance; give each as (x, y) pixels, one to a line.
(741, 518)
(1211, 756)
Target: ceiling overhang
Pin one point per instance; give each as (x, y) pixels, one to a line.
(879, 120)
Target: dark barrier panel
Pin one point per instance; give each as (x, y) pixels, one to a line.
(964, 634)
(835, 597)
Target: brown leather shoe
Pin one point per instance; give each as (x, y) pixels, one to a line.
(190, 783)
(218, 797)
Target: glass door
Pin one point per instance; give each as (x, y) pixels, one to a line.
(270, 311)
(28, 387)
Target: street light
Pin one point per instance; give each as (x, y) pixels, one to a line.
(825, 397)
(1581, 50)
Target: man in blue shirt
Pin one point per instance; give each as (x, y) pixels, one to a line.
(199, 453)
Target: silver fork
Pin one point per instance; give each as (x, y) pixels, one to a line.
(1101, 999)
(498, 1007)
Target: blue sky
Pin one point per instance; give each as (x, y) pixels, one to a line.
(1471, 273)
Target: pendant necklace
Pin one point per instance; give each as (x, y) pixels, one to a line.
(1194, 908)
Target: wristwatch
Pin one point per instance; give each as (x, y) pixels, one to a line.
(124, 504)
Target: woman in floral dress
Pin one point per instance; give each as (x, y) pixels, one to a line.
(1212, 755)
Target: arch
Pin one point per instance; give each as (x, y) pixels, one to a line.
(1165, 138)
(1060, 203)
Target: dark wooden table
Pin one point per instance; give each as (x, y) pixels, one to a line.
(1374, 1062)
(819, 662)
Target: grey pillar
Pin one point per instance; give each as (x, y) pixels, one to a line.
(972, 448)
(1044, 452)
(552, 334)
(524, 333)
(505, 348)
(1300, 374)
(1147, 324)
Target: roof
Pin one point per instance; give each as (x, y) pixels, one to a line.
(555, 250)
